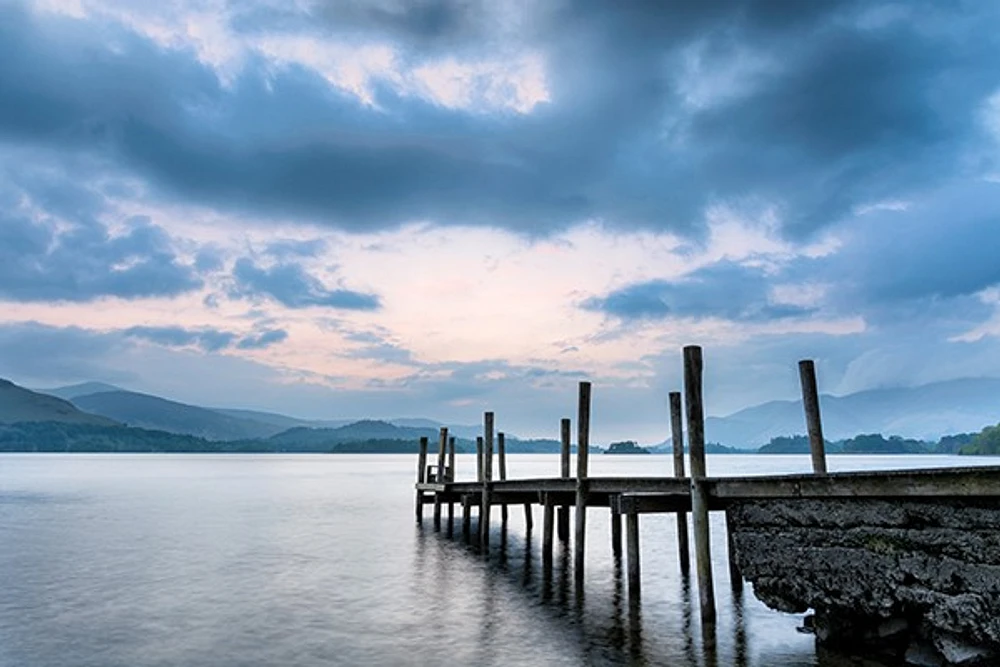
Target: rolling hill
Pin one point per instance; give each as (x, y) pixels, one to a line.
(153, 412)
(18, 404)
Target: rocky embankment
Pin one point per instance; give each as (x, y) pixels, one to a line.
(913, 581)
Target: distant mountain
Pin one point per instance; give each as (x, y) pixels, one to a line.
(925, 413)
(153, 412)
(272, 418)
(326, 438)
(82, 389)
(18, 404)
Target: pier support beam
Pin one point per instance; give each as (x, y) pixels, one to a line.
(439, 476)
(735, 574)
(484, 511)
(699, 492)
(547, 529)
(677, 438)
(634, 578)
(564, 432)
(502, 464)
(466, 517)
(421, 477)
(810, 401)
(616, 533)
(582, 454)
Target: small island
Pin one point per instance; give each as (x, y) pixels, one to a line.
(625, 447)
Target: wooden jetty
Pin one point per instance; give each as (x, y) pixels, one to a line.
(682, 493)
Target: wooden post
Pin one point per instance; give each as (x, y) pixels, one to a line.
(466, 516)
(632, 530)
(502, 464)
(699, 493)
(735, 574)
(529, 519)
(451, 478)
(547, 529)
(677, 437)
(616, 533)
(582, 454)
(810, 401)
(564, 460)
(484, 511)
(421, 477)
(479, 458)
(451, 459)
(439, 475)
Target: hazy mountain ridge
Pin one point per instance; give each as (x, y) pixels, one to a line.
(927, 412)
(18, 404)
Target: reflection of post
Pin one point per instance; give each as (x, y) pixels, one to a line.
(502, 463)
(421, 477)
(564, 432)
(582, 452)
(699, 492)
(810, 401)
(439, 476)
(484, 511)
(677, 438)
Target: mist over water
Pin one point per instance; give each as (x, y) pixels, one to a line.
(155, 560)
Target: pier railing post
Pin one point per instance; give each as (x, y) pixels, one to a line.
(810, 401)
(484, 510)
(582, 454)
(421, 477)
(564, 432)
(677, 439)
(699, 493)
(439, 476)
(502, 464)
(479, 458)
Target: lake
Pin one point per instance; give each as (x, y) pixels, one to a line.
(292, 560)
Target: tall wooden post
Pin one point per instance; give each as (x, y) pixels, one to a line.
(810, 401)
(502, 463)
(484, 511)
(439, 476)
(582, 454)
(451, 478)
(421, 477)
(564, 473)
(479, 458)
(677, 438)
(699, 492)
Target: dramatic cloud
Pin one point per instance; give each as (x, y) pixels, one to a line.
(207, 339)
(290, 285)
(262, 340)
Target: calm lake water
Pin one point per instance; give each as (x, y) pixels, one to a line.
(148, 560)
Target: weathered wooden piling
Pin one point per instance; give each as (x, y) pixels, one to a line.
(677, 440)
(810, 401)
(735, 573)
(582, 454)
(479, 458)
(502, 465)
(484, 509)
(421, 477)
(616, 533)
(439, 475)
(466, 516)
(548, 518)
(564, 432)
(451, 478)
(632, 531)
(699, 492)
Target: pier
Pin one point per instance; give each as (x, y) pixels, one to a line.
(803, 515)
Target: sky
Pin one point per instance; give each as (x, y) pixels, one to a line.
(387, 208)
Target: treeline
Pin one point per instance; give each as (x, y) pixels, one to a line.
(876, 443)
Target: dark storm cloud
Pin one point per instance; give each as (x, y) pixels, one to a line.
(844, 114)
(724, 290)
(290, 285)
